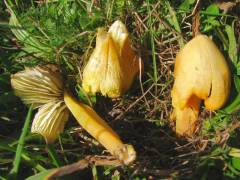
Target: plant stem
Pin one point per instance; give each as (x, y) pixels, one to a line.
(175, 23)
(52, 153)
(16, 163)
(235, 105)
(155, 73)
(26, 157)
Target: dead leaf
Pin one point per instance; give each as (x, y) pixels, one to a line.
(84, 163)
(226, 6)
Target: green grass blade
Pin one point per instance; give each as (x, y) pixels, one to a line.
(94, 173)
(17, 160)
(34, 164)
(110, 9)
(155, 73)
(232, 48)
(42, 175)
(25, 156)
(2, 178)
(62, 150)
(32, 45)
(52, 153)
(175, 23)
(236, 81)
(222, 37)
(234, 106)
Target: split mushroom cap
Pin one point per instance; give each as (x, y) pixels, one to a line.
(113, 64)
(50, 120)
(201, 73)
(35, 84)
(42, 86)
(39, 85)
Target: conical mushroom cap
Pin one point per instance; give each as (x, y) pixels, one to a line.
(103, 71)
(200, 72)
(130, 62)
(113, 64)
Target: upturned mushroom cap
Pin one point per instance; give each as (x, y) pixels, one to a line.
(201, 73)
(38, 85)
(50, 120)
(42, 86)
(113, 64)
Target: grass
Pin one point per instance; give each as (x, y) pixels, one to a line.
(150, 22)
(63, 32)
(16, 163)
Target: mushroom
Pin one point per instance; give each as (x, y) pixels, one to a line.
(42, 86)
(201, 73)
(113, 64)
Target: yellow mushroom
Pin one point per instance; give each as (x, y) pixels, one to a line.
(113, 64)
(201, 73)
(39, 85)
(50, 120)
(99, 129)
(43, 87)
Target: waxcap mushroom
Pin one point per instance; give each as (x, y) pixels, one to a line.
(39, 85)
(113, 64)
(200, 73)
(42, 87)
(42, 82)
(50, 120)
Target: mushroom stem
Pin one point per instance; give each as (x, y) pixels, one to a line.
(187, 116)
(99, 129)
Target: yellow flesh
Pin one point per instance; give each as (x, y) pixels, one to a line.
(99, 129)
(200, 72)
(186, 117)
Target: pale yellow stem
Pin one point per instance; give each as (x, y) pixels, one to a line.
(187, 116)
(99, 129)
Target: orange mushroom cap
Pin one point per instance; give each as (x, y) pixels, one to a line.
(201, 73)
(113, 64)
